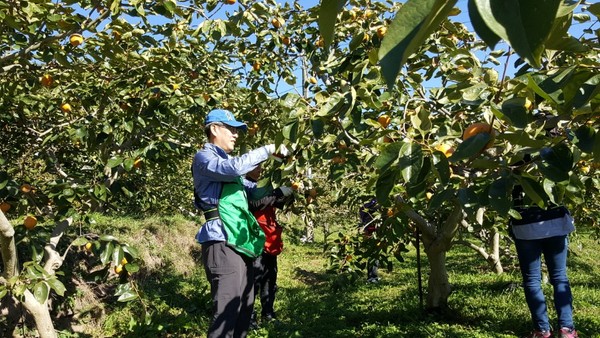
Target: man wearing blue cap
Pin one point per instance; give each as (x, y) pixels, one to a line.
(230, 237)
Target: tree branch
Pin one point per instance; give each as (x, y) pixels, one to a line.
(8, 248)
(51, 256)
(426, 228)
(444, 239)
(477, 249)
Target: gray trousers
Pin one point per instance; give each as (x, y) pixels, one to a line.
(231, 278)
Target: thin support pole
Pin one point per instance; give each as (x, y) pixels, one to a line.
(419, 278)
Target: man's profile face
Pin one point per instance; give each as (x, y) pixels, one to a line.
(224, 136)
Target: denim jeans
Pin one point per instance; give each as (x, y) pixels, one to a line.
(554, 250)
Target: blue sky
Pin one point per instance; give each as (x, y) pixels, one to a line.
(576, 30)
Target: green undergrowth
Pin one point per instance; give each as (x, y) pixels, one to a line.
(175, 298)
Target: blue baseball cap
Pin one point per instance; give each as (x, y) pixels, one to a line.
(224, 116)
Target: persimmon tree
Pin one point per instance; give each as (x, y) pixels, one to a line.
(100, 110)
(108, 120)
(547, 112)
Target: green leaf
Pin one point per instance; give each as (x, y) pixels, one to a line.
(555, 191)
(115, 7)
(522, 138)
(485, 33)
(290, 131)
(534, 191)
(557, 162)
(127, 296)
(332, 105)
(122, 288)
(595, 9)
(107, 253)
(388, 155)
(33, 272)
(559, 156)
(442, 167)
(550, 88)
(328, 13)
(514, 214)
(41, 291)
(583, 88)
(499, 195)
(559, 38)
(512, 21)
(170, 6)
(128, 164)
(597, 148)
(318, 127)
(411, 26)
(113, 162)
(384, 185)
(118, 255)
(514, 108)
(470, 147)
(133, 252)
(132, 267)
(57, 286)
(411, 161)
(554, 173)
(586, 137)
(79, 241)
(108, 238)
(439, 198)
(421, 121)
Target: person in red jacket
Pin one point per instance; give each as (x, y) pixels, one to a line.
(265, 266)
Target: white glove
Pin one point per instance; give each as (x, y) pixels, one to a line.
(286, 191)
(283, 151)
(277, 154)
(270, 148)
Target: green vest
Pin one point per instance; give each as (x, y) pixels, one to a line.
(244, 234)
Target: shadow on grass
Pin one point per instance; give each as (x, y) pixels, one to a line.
(324, 311)
(326, 305)
(482, 304)
(177, 306)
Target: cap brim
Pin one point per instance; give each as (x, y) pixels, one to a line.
(237, 124)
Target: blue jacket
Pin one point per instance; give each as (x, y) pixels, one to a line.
(212, 167)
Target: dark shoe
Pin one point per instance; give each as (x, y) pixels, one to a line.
(540, 334)
(253, 322)
(373, 280)
(268, 317)
(566, 332)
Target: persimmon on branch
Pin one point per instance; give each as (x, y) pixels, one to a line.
(36, 45)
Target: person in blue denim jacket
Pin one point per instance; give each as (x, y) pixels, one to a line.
(229, 272)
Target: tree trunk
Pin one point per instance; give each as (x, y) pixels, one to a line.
(41, 315)
(309, 236)
(438, 286)
(437, 240)
(39, 311)
(494, 258)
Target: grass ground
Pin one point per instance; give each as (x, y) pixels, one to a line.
(312, 303)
